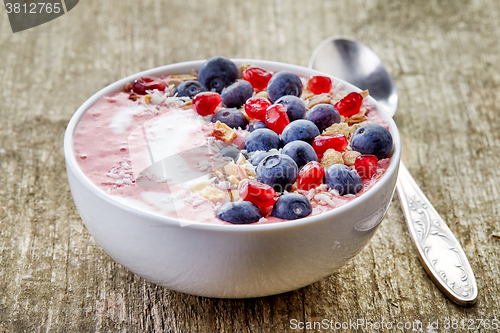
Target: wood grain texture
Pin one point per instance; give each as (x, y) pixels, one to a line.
(445, 58)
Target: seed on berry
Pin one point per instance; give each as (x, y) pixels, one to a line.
(147, 83)
(349, 105)
(260, 194)
(277, 118)
(256, 107)
(310, 176)
(319, 84)
(366, 166)
(258, 77)
(205, 103)
(323, 142)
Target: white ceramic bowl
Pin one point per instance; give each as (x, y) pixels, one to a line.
(228, 261)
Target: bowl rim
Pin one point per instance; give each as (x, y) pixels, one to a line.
(185, 67)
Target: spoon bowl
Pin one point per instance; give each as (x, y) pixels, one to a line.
(356, 63)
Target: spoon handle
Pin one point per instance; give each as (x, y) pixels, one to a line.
(438, 249)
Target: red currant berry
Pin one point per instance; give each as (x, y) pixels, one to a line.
(257, 77)
(256, 107)
(349, 105)
(366, 166)
(147, 83)
(323, 142)
(319, 84)
(262, 195)
(205, 103)
(277, 118)
(310, 176)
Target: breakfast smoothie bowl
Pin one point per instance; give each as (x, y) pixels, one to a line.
(232, 178)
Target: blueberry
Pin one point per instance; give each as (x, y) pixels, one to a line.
(284, 83)
(262, 139)
(295, 108)
(242, 212)
(301, 152)
(260, 156)
(217, 73)
(278, 171)
(323, 115)
(237, 94)
(232, 152)
(233, 118)
(257, 125)
(189, 88)
(343, 179)
(291, 206)
(301, 129)
(372, 139)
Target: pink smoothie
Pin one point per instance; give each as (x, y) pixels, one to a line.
(118, 140)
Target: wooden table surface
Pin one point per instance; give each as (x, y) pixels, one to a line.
(445, 58)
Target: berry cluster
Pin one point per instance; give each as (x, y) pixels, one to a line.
(286, 143)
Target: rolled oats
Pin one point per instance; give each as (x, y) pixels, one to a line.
(331, 157)
(350, 156)
(223, 132)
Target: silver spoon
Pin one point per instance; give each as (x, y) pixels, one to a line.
(438, 249)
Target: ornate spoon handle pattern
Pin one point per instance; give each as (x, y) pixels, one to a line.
(438, 249)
